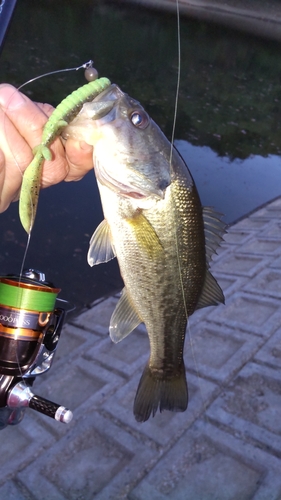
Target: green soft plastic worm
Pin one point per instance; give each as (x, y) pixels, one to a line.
(60, 118)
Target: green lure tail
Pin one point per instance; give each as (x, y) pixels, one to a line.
(60, 118)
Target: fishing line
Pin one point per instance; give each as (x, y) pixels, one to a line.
(18, 296)
(178, 80)
(172, 146)
(85, 66)
(192, 346)
(88, 66)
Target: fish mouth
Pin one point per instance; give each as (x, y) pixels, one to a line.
(135, 186)
(129, 190)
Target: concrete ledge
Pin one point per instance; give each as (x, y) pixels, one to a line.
(262, 20)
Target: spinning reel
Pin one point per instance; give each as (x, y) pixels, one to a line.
(31, 320)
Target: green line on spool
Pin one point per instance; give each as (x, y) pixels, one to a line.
(26, 298)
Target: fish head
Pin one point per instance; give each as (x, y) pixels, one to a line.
(131, 154)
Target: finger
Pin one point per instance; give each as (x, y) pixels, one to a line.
(46, 108)
(80, 159)
(16, 154)
(24, 123)
(26, 116)
(2, 173)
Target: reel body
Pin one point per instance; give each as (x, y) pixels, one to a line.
(31, 320)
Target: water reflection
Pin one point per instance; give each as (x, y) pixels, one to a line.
(234, 187)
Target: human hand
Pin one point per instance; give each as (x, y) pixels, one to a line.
(21, 125)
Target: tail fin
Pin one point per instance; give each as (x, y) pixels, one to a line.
(166, 393)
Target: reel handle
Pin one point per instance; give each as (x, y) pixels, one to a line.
(22, 396)
(53, 410)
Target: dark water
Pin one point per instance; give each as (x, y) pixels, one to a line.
(228, 125)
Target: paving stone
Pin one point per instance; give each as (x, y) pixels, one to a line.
(236, 237)
(272, 230)
(126, 356)
(207, 464)
(73, 343)
(251, 224)
(9, 491)
(270, 353)
(99, 461)
(267, 282)
(218, 352)
(20, 445)
(248, 312)
(165, 426)
(237, 264)
(251, 406)
(97, 318)
(271, 210)
(276, 263)
(275, 205)
(81, 386)
(261, 246)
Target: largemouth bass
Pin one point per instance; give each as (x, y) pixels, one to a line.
(162, 237)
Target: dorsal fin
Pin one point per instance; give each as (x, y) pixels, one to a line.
(214, 228)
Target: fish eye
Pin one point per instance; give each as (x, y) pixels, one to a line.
(139, 119)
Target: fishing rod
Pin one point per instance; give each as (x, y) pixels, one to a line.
(7, 8)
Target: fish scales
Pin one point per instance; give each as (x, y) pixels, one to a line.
(154, 224)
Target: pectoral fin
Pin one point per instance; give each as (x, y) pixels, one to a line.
(124, 319)
(145, 235)
(100, 249)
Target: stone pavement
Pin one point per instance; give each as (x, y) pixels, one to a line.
(226, 446)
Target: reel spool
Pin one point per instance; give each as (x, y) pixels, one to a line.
(25, 311)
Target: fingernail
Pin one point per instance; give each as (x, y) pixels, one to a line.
(86, 147)
(17, 100)
(10, 98)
